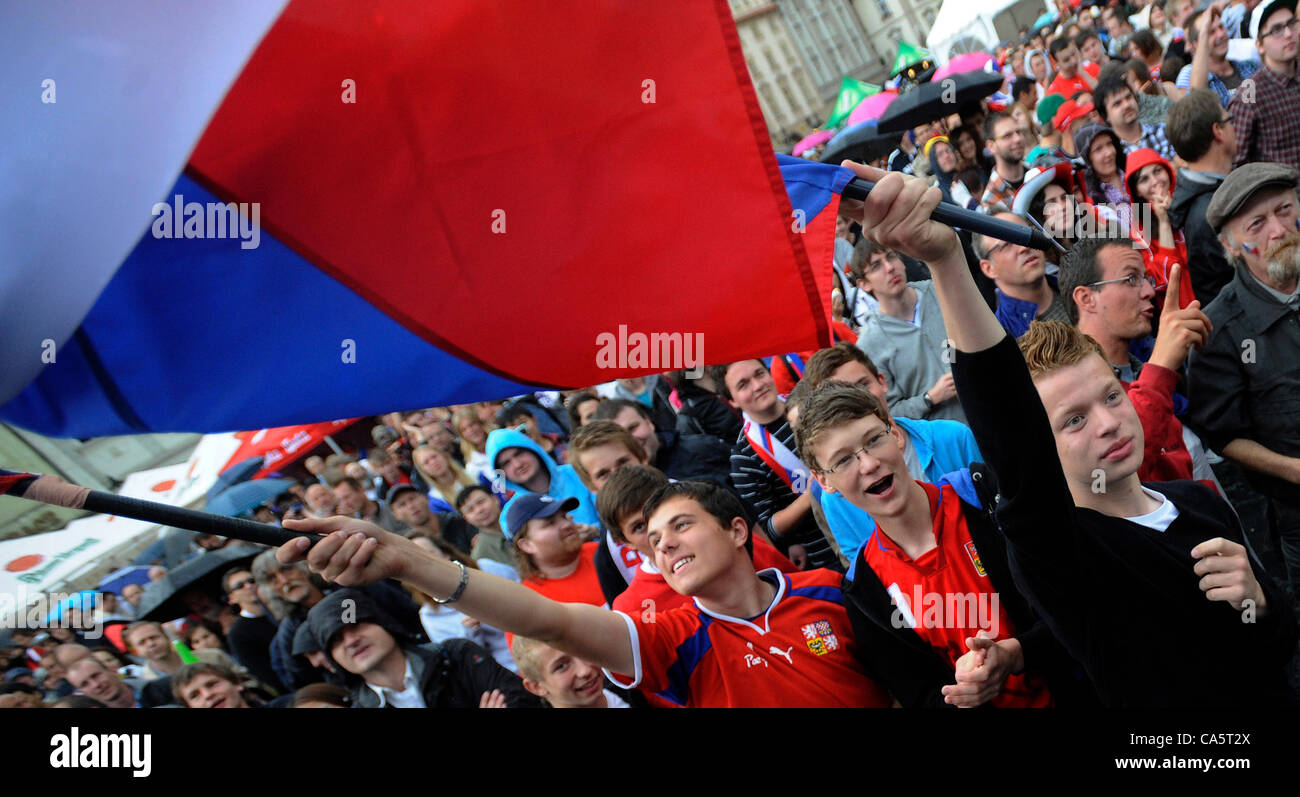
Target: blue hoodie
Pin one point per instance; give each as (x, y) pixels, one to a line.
(565, 481)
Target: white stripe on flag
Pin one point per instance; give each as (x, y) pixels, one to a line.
(134, 85)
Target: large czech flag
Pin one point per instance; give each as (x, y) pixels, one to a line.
(241, 215)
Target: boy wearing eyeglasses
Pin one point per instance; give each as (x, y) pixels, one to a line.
(929, 593)
(1149, 587)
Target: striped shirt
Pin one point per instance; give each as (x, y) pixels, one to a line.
(1153, 137)
(768, 494)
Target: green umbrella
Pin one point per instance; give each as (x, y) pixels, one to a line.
(852, 92)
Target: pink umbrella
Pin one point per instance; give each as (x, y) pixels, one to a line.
(871, 108)
(808, 142)
(966, 62)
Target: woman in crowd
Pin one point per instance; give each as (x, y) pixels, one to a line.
(943, 166)
(1145, 47)
(973, 164)
(1103, 172)
(445, 478)
(473, 441)
(204, 635)
(1150, 180)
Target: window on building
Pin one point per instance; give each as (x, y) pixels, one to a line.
(885, 11)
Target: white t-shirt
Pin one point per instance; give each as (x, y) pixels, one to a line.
(1159, 518)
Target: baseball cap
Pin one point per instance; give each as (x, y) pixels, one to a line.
(1069, 113)
(534, 505)
(1241, 184)
(398, 489)
(1262, 12)
(16, 672)
(1048, 106)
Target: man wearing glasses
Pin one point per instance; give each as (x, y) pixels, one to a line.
(250, 636)
(1109, 296)
(1007, 140)
(1267, 119)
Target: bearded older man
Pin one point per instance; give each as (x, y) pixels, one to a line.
(1244, 385)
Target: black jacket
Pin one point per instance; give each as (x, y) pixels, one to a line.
(454, 674)
(694, 457)
(250, 641)
(910, 668)
(703, 412)
(1206, 262)
(1245, 383)
(1123, 599)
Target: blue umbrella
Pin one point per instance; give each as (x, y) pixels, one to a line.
(116, 582)
(241, 471)
(242, 497)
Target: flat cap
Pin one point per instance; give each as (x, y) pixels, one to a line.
(1241, 184)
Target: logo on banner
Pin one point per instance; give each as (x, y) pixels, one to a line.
(25, 562)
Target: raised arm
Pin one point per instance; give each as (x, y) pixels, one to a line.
(357, 552)
(897, 214)
(1200, 77)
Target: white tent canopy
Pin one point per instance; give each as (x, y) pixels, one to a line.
(969, 25)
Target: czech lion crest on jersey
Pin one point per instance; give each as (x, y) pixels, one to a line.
(820, 638)
(975, 559)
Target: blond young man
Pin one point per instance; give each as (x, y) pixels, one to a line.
(1096, 553)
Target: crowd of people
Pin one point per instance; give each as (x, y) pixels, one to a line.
(1017, 478)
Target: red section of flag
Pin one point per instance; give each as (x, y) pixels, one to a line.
(515, 179)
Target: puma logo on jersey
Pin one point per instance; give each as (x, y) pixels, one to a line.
(786, 653)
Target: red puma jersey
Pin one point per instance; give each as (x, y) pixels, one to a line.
(800, 653)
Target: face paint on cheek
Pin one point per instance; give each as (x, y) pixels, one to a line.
(1250, 249)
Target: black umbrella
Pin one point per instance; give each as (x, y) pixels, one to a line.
(931, 101)
(862, 142)
(162, 599)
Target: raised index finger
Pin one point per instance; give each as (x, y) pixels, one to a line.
(1171, 290)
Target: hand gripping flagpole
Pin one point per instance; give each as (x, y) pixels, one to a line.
(980, 223)
(55, 491)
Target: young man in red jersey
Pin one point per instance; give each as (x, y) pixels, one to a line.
(1127, 576)
(620, 501)
(929, 593)
(795, 650)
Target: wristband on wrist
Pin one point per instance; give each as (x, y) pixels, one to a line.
(460, 588)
